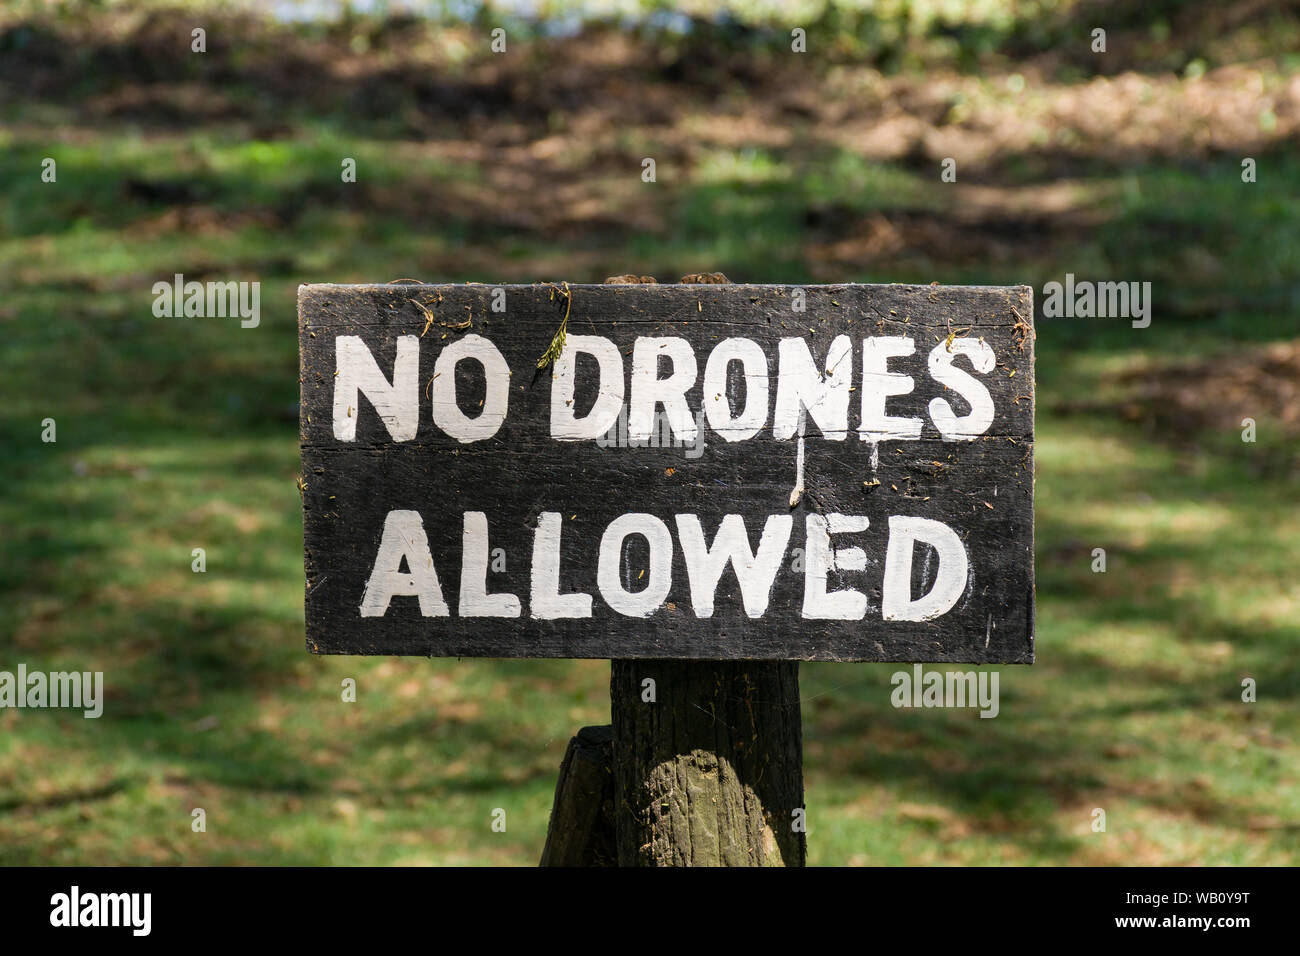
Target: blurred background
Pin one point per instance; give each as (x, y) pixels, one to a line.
(525, 165)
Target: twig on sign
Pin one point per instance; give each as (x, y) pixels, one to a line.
(1022, 330)
(557, 342)
(430, 318)
(428, 315)
(952, 336)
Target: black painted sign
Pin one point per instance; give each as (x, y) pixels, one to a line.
(618, 471)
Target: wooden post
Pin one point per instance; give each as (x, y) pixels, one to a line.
(708, 763)
(581, 832)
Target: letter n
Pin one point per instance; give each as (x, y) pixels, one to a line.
(397, 403)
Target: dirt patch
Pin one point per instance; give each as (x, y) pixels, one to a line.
(1189, 399)
(1262, 383)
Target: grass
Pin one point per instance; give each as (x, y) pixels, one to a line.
(177, 434)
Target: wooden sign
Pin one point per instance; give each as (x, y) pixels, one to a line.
(830, 473)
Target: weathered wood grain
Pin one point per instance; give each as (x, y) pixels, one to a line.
(711, 772)
(983, 489)
(582, 828)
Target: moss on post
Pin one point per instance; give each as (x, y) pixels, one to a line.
(708, 763)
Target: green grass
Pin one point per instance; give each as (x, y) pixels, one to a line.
(176, 434)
